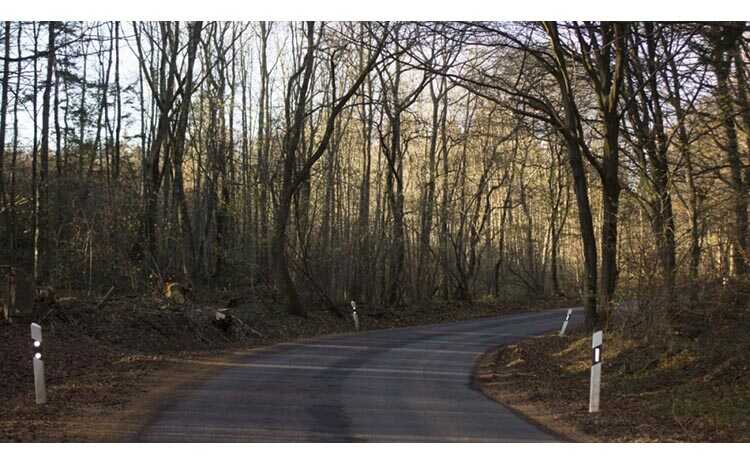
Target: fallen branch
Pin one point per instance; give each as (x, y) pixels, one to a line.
(105, 298)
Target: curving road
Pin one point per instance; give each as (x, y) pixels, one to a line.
(398, 385)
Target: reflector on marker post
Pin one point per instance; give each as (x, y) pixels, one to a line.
(355, 317)
(39, 385)
(565, 323)
(596, 371)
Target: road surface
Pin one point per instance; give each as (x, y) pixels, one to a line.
(398, 385)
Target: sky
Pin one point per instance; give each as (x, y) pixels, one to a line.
(465, 10)
(129, 76)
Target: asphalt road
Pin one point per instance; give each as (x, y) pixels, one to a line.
(398, 385)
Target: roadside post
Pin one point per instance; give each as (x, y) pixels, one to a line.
(39, 386)
(355, 317)
(565, 323)
(596, 371)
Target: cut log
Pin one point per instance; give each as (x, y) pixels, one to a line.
(222, 320)
(177, 292)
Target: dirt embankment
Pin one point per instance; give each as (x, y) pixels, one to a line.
(686, 382)
(108, 366)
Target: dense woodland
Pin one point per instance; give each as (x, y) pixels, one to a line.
(390, 163)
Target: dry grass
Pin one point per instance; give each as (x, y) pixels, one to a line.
(686, 381)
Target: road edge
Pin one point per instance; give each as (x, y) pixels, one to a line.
(545, 421)
(172, 375)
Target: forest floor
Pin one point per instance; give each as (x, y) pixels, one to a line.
(690, 383)
(107, 366)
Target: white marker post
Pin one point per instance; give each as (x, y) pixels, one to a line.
(355, 317)
(39, 386)
(596, 371)
(565, 323)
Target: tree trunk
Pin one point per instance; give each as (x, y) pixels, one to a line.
(722, 65)
(45, 263)
(3, 114)
(188, 241)
(263, 152)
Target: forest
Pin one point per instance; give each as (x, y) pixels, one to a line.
(389, 163)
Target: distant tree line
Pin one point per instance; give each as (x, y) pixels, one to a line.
(391, 163)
